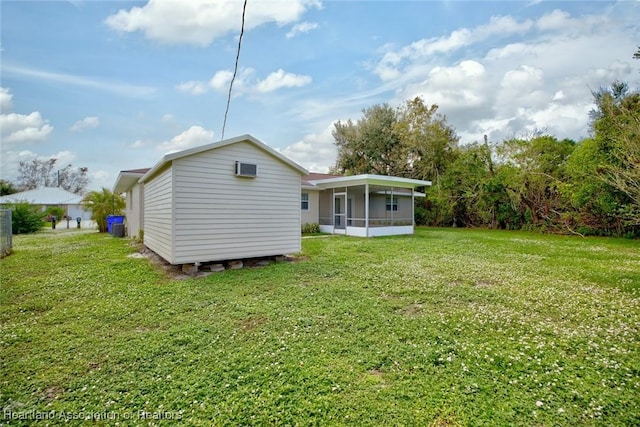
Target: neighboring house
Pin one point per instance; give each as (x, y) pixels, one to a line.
(236, 198)
(51, 196)
(361, 205)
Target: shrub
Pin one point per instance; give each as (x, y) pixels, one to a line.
(101, 204)
(56, 211)
(26, 218)
(310, 228)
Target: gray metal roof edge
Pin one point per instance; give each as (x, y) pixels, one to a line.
(212, 146)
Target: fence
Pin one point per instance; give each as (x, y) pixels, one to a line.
(5, 232)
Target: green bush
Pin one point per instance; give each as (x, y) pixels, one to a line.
(310, 228)
(56, 211)
(26, 218)
(101, 204)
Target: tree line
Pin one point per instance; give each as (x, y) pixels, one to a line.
(588, 187)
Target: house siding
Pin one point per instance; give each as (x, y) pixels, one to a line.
(75, 211)
(310, 216)
(220, 216)
(158, 213)
(134, 210)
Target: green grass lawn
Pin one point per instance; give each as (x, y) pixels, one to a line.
(443, 328)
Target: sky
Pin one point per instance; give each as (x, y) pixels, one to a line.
(115, 85)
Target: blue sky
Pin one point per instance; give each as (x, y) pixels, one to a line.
(114, 85)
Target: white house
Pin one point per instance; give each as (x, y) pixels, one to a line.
(236, 198)
(360, 205)
(49, 197)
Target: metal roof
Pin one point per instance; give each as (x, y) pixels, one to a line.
(243, 138)
(127, 179)
(44, 196)
(348, 181)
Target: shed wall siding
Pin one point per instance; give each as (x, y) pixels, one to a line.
(158, 222)
(220, 216)
(134, 210)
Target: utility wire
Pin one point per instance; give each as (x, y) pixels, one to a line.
(235, 70)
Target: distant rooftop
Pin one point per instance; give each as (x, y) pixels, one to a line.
(44, 196)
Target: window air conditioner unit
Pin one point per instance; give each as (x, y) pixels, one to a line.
(246, 169)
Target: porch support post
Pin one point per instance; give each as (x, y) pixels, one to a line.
(333, 209)
(413, 207)
(392, 220)
(366, 209)
(346, 210)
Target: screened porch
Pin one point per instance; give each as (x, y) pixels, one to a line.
(367, 210)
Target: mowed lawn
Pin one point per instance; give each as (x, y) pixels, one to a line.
(446, 327)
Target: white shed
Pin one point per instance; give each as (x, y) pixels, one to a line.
(236, 198)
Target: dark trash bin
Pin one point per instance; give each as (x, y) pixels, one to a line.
(118, 229)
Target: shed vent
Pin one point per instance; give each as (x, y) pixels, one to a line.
(246, 169)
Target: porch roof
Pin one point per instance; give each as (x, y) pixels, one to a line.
(127, 179)
(350, 181)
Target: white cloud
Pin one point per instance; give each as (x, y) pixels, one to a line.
(200, 22)
(101, 179)
(20, 128)
(279, 79)
(316, 151)
(391, 64)
(192, 137)
(524, 78)
(242, 83)
(461, 87)
(536, 74)
(303, 27)
(525, 87)
(220, 83)
(10, 161)
(138, 143)
(562, 120)
(64, 157)
(193, 87)
(6, 100)
(245, 82)
(123, 89)
(557, 19)
(89, 122)
(220, 80)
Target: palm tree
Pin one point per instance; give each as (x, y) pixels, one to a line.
(101, 204)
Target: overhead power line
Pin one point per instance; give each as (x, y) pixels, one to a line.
(235, 70)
